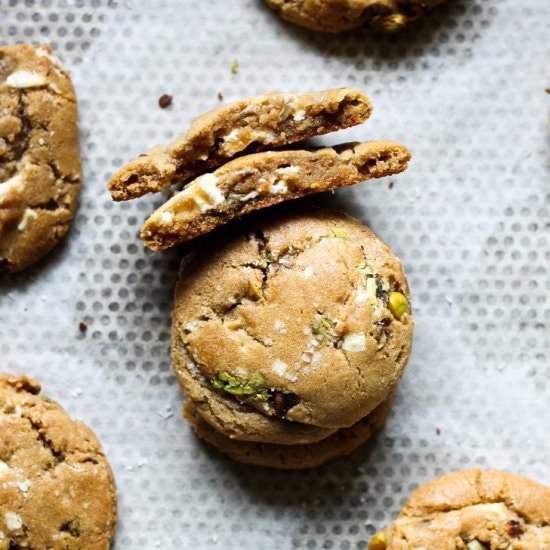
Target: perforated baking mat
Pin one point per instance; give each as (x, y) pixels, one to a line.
(470, 218)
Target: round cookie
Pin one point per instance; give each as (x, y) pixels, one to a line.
(343, 15)
(292, 457)
(290, 326)
(39, 154)
(472, 510)
(56, 487)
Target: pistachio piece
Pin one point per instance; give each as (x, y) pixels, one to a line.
(389, 23)
(253, 388)
(321, 327)
(379, 541)
(398, 304)
(476, 545)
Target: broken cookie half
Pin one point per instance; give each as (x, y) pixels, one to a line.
(39, 154)
(247, 126)
(264, 179)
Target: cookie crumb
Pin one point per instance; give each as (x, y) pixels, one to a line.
(165, 100)
(438, 431)
(82, 327)
(547, 90)
(220, 96)
(235, 67)
(390, 185)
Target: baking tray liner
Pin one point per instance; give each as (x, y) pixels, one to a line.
(470, 219)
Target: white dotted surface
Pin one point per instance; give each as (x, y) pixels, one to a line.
(465, 90)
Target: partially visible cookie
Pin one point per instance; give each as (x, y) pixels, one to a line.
(246, 126)
(256, 181)
(343, 15)
(39, 154)
(296, 324)
(472, 510)
(291, 457)
(56, 487)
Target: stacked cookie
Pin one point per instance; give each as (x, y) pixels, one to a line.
(291, 329)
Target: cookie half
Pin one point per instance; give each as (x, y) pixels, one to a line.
(256, 181)
(296, 324)
(472, 510)
(246, 126)
(291, 457)
(343, 15)
(39, 154)
(56, 486)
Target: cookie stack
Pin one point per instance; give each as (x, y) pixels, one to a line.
(292, 327)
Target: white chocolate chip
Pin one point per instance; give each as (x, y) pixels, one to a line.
(26, 79)
(192, 326)
(206, 193)
(279, 367)
(354, 342)
(13, 521)
(279, 187)
(4, 468)
(308, 272)
(299, 116)
(280, 326)
(28, 216)
(232, 136)
(249, 196)
(167, 218)
(268, 341)
(288, 170)
(24, 486)
(13, 184)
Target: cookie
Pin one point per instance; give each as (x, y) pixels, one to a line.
(246, 126)
(39, 154)
(294, 325)
(343, 15)
(472, 510)
(56, 486)
(294, 457)
(264, 179)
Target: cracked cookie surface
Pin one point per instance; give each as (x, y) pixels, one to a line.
(56, 487)
(247, 126)
(343, 15)
(39, 154)
(285, 332)
(473, 510)
(256, 181)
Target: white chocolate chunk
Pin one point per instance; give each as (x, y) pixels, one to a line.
(279, 187)
(206, 193)
(13, 521)
(279, 367)
(4, 468)
(167, 218)
(14, 184)
(287, 170)
(354, 342)
(26, 79)
(299, 116)
(28, 216)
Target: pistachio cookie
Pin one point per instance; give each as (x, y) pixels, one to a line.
(247, 126)
(294, 326)
(472, 510)
(255, 181)
(343, 15)
(56, 486)
(39, 154)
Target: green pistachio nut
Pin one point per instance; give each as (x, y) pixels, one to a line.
(255, 387)
(389, 23)
(379, 541)
(321, 327)
(398, 304)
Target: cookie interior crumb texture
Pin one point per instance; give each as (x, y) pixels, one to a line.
(303, 347)
(246, 126)
(339, 16)
(39, 154)
(472, 510)
(56, 487)
(255, 181)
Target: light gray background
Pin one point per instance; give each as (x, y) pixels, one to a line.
(470, 219)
